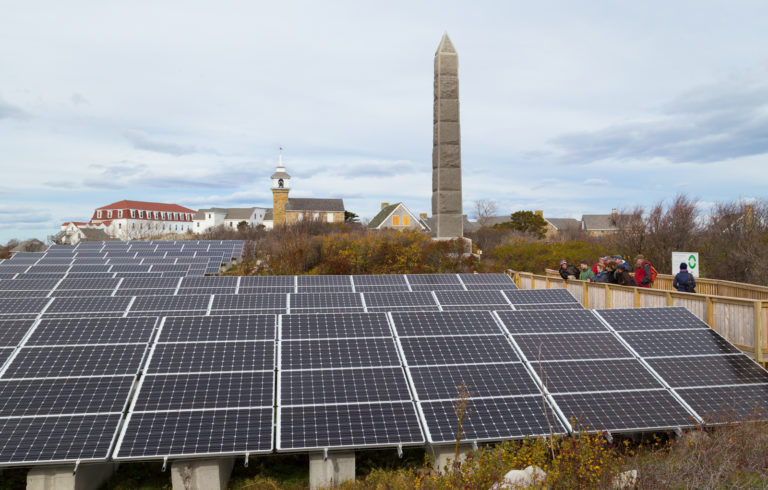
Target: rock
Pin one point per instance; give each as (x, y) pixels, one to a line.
(627, 479)
(521, 478)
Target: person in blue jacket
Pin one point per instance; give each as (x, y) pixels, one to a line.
(684, 280)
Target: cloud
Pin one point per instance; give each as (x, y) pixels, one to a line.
(596, 182)
(78, 99)
(9, 111)
(20, 216)
(115, 176)
(143, 141)
(706, 125)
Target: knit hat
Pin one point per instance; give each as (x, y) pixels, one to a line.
(683, 266)
(585, 262)
(563, 262)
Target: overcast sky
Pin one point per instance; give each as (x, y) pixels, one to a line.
(570, 107)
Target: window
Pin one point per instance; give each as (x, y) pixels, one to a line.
(198, 224)
(163, 215)
(141, 213)
(301, 216)
(120, 226)
(157, 215)
(133, 213)
(330, 217)
(98, 214)
(109, 214)
(316, 216)
(209, 217)
(395, 220)
(406, 220)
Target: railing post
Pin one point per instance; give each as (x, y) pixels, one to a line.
(638, 299)
(759, 332)
(608, 297)
(710, 312)
(670, 299)
(585, 294)
(548, 282)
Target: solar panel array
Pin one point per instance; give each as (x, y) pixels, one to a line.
(239, 365)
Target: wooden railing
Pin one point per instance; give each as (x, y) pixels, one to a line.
(712, 287)
(739, 320)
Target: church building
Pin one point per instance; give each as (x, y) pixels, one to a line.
(287, 210)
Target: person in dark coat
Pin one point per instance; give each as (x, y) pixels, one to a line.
(568, 271)
(684, 280)
(601, 276)
(623, 278)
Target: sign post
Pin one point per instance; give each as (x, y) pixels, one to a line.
(690, 258)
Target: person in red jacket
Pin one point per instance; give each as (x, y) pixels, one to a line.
(642, 272)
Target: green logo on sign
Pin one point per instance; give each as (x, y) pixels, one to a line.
(692, 261)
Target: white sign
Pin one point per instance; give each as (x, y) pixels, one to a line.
(690, 258)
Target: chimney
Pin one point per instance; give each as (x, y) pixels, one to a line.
(384, 205)
(539, 212)
(614, 212)
(423, 215)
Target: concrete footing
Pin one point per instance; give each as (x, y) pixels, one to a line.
(88, 476)
(443, 456)
(337, 469)
(201, 474)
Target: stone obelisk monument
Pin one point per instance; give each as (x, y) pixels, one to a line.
(446, 145)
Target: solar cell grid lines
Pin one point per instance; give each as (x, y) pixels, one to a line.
(38, 397)
(335, 325)
(171, 303)
(12, 332)
(144, 292)
(549, 307)
(88, 304)
(728, 403)
(432, 351)
(5, 354)
(421, 279)
(198, 291)
(585, 376)
(655, 343)
(243, 302)
(501, 279)
(71, 361)
(381, 289)
(10, 306)
(623, 411)
(324, 289)
(555, 347)
(93, 331)
(652, 319)
(709, 370)
(209, 282)
(142, 282)
(400, 299)
(206, 391)
(325, 300)
(320, 281)
(487, 380)
(266, 290)
(379, 280)
(106, 283)
(86, 293)
(190, 357)
(338, 353)
(551, 321)
(36, 284)
(218, 328)
(437, 287)
(490, 419)
(339, 426)
(539, 296)
(150, 435)
(410, 324)
(266, 281)
(25, 294)
(57, 439)
(471, 298)
(343, 386)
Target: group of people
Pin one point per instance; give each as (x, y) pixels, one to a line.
(615, 270)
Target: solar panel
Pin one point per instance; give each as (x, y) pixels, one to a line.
(89, 284)
(488, 380)
(381, 289)
(218, 328)
(623, 411)
(266, 290)
(12, 331)
(379, 280)
(501, 279)
(209, 282)
(321, 281)
(5, 354)
(325, 289)
(10, 306)
(244, 302)
(89, 268)
(170, 303)
(88, 360)
(193, 291)
(25, 294)
(88, 305)
(522, 322)
(57, 439)
(471, 298)
(16, 285)
(490, 419)
(343, 386)
(416, 279)
(73, 293)
(395, 301)
(581, 376)
(144, 292)
(727, 403)
(301, 301)
(709, 370)
(437, 287)
(652, 319)
(93, 331)
(409, 324)
(206, 391)
(338, 353)
(553, 347)
(431, 351)
(337, 325)
(678, 343)
(553, 306)
(375, 424)
(194, 433)
(193, 357)
(539, 296)
(37, 397)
